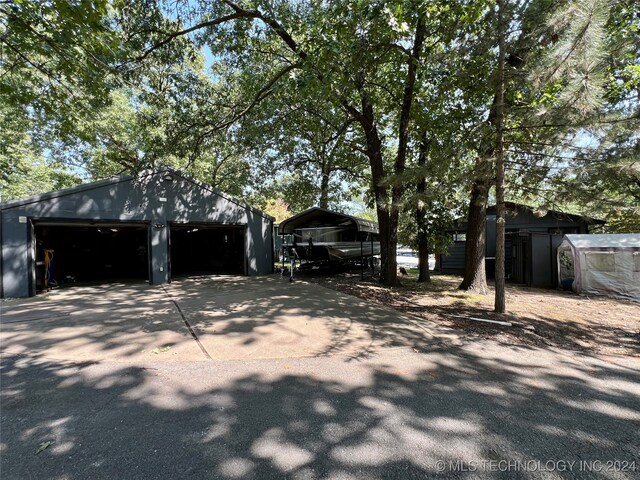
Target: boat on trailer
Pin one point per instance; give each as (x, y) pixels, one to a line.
(321, 236)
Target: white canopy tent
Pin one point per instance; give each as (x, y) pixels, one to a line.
(603, 264)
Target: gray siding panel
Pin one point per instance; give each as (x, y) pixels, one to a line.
(15, 245)
(453, 262)
(541, 261)
(544, 261)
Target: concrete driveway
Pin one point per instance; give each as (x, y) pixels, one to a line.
(199, 319)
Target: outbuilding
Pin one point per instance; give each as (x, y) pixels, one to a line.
(152, 226)
(532, 239)
(605, 264)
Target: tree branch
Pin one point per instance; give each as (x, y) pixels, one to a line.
(186, 31)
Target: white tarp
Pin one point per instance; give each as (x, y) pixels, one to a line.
(607, 264)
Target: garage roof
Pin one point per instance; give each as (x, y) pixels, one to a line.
(321, 217)
(125, 178)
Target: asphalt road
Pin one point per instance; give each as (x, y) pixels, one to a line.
(450, 409)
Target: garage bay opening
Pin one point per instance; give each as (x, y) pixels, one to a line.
(207, 249)
(66, 254)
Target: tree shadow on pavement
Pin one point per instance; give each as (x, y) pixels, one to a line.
(396, 416)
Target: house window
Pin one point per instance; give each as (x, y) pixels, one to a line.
(636, 261)
(460, 237)
(601, 261)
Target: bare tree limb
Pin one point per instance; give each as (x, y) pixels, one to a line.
(186, 31)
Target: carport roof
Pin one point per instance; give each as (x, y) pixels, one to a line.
(604, 240)
(321, 217)
(125, 178)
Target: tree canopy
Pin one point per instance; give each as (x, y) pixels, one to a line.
(290, 104)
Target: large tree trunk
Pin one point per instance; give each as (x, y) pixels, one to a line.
(324, 185)
(475, 277)
(475, 274)
(474, 268)
(397, 190)
(389, 213)
(423, 260)
(421, 215)
(388, 247)
(500, 306)
(388, 239)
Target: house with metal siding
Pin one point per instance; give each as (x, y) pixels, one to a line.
(530, 245)
(151, 225)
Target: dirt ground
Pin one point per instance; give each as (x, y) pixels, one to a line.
(599, 325)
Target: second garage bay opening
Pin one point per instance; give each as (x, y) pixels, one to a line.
(69, 253)
(206, 248)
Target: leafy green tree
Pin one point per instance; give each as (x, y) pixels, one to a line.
(277, 208)
(555, 97)
(55, 72)
(363, 56)
(67, 68)
(24, 171)
(309, 140)
(57, 59)
(296, 191)
(600, 169)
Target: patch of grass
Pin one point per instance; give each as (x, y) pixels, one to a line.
(467, 299)
(158, 350)
(439, 283)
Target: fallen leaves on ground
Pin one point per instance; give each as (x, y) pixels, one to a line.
(43, 446)
(602, 325)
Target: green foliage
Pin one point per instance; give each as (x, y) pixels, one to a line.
(55, 74)
(429, 211)
(278, 115)
(57, 59)
(306, 143)
(35, 177)
(293, 191)
(579, 144)
(623, 220)
(23, 170)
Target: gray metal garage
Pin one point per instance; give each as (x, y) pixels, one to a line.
(153, 226)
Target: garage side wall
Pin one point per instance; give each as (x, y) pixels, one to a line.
(152, 199)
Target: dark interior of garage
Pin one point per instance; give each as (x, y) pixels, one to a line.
(206, 249)
(68, 254)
